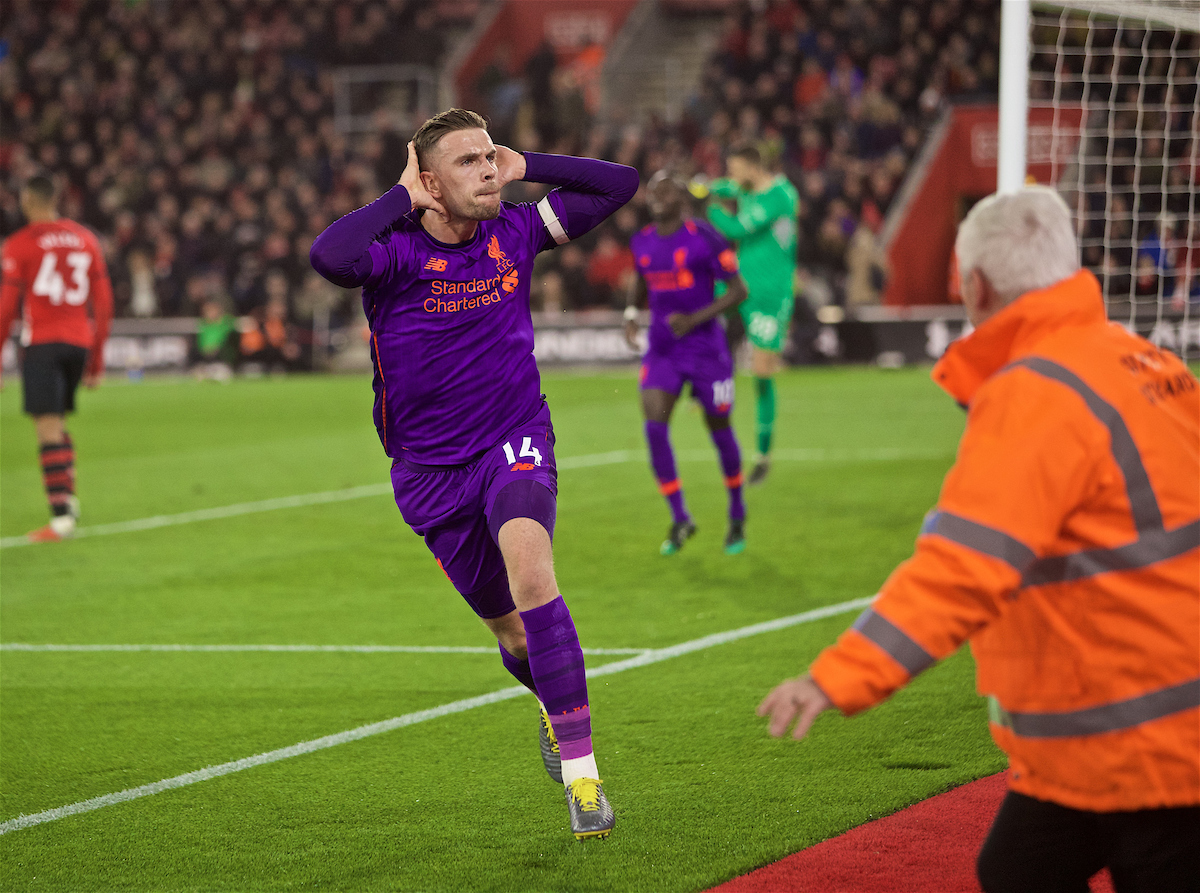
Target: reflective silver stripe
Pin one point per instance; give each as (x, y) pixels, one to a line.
(1150, 548)
(981, 538)
(1105, 718)
(894, 641)
(1143, 502)
(553, 225)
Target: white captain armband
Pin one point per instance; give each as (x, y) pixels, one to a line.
(553, 224)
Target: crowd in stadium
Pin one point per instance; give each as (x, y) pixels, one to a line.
(200, 142)
(1138, 195)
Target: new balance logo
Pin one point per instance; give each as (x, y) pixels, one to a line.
(522, 466)
(436, 264)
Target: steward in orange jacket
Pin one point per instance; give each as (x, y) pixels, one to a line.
(1065, 546)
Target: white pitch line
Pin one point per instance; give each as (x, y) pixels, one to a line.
(350, 649)
(616, 457)
(222, 511)
(646, 658)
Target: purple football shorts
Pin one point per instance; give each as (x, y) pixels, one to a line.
(711, 377)
(459, 509)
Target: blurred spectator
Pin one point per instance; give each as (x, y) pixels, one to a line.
(200, 140)
(197, 139)
(268, 340)
(610, 270)
(143, 301)
(577, 290)
(215, 350)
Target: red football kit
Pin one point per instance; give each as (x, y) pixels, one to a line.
(55, 271)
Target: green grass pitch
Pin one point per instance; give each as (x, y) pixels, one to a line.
(458, 802)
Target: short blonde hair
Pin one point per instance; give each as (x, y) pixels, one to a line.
(430, 133)
(1021, 241)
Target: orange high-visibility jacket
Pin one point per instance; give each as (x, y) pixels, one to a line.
(1066, 546)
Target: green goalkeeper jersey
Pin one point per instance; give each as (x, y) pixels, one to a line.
(764, 229)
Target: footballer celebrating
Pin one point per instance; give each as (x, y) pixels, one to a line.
(445, 267)
(56, 278)
(679, 260)
(764, 228)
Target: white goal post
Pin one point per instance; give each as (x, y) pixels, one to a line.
(1129, 168)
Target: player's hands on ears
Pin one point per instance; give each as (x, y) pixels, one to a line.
(417, 193)
(797, 700)
(510, 166)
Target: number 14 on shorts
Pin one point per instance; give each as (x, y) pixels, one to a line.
(527, 449)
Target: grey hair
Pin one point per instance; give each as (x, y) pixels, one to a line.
(1021, 241)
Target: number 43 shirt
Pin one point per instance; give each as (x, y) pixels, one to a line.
(54, 273)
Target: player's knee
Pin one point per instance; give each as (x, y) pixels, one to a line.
(49, 428)
(514, 643)
(533, 585)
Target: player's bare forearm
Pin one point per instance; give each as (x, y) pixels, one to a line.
(682, 323)
(635, 297)
(734, 295)
(797, 700)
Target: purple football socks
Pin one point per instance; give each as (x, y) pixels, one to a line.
(556, 661)
(662, 460)
(519, 668)
(730, 458)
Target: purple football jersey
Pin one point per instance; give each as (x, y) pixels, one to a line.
(452, 336)
(680, 270)
(451, 333)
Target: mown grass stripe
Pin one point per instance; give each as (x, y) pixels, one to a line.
(305, 747)
(615, 457)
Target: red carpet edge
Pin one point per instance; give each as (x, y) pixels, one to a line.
(930, 847)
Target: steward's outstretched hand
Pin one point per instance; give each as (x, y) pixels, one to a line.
(417, 194)
(798, 700)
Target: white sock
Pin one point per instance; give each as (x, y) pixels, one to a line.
(63, 525)
(580, 767)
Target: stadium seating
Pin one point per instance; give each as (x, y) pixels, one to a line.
(199, 140)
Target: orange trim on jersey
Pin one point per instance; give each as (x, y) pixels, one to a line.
(734, 481)
(383, 397)
(666, 489)
(690, 226)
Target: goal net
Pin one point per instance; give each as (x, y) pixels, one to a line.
(1129, 170)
